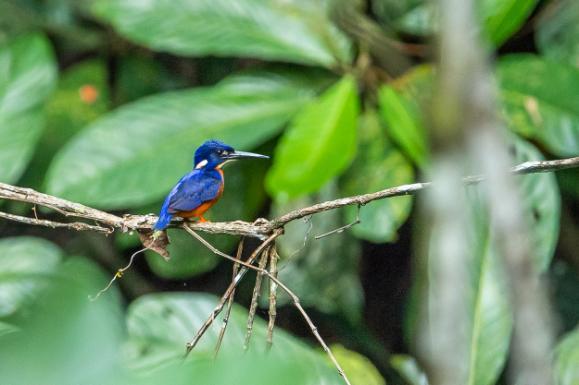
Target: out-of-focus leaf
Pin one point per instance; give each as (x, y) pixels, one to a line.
(408, 369)
(160, 324)
(135, 154)
(63, 329)
(324, 272)
(542, 204)
(242, 198)
(545, 110)
(6, 328)
(27, 77)
(298, 30)
(81, 96)
(505, 17)
(567, 359)
(359, 368)
(26, 264)
(378, 166)
(404, 123)
(500, 18)
(558, 33)
(564, 281)
(319, 144)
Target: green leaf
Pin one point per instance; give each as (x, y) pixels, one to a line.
(81, 96)
(159, 325)
(545, 110)
(27, 77)
(319, 144)
(500, 18)
(135, 154)
(26, 264)
(567, 359)
(408, 369)
(323, 273)
(359, 368)
(297, 31)
(242, 198)
(557, 35)
(60, 321)
(505, 17)
(404, 123)
(541, 202)
(378, 166)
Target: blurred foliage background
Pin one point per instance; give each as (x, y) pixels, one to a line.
(103, 102)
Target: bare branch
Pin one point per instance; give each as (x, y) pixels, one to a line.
(260, 229)
(78, 226)
(255, 297)
(272, 312)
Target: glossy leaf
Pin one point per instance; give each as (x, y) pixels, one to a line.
(408, 369)
(155, 138)
(500, 18)
(242, 198)
(558, 33)
(160, 324)
(545, 110)
(378, 166)
(567, 359)
(318, 145)
(360, 369)
(26, 265)
(404, 124)
(27, 77)
(298, 30)
(81, 96)
(323, 273)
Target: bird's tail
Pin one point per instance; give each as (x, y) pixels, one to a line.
(163, 221)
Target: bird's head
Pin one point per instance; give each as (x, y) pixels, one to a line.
(213, 154)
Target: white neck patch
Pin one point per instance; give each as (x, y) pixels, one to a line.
(201, 164)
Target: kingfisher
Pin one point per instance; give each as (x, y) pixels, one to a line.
(201, 188)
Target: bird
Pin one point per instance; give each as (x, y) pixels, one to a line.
(202, 187)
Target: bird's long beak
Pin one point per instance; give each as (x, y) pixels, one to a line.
(243, 154)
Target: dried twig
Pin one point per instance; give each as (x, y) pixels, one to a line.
(79, 226)
(272, 312)
(342, 228)
(295, 299)
(230, 301)
(232, 285)
(255, 297)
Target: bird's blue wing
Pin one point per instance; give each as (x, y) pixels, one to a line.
(193, 190)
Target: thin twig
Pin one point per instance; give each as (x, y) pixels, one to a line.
(232, 285)
(272, 312)
(341, 229)
(79, 226)
(295, 300)
(118, 275)
(230, 301)
(255, 297)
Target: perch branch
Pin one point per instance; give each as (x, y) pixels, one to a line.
(260, 229)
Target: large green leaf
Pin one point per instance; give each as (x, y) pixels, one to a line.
(558, 33)
(27, 77)
(63, 329)
(26, 265)
(567, 359)
(319, 144)
(324, 272)
(378, 166)
(81, 96)
(534, 107)
(296, 30)
(408, 369)
(500, 18)
(159, 325)
(133, 155)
